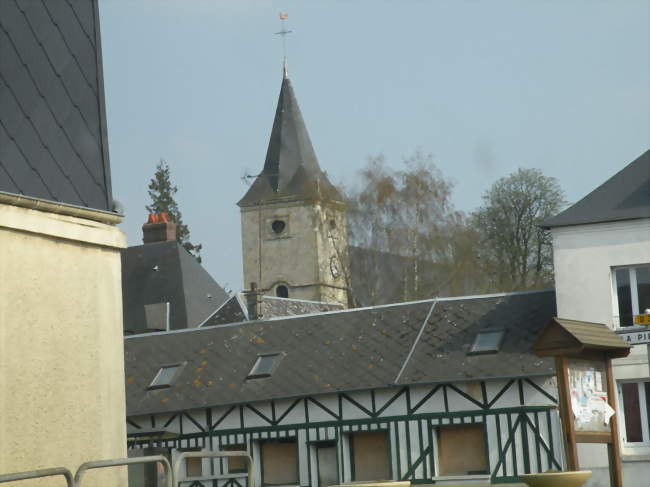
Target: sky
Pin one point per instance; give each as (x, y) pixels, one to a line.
(484, 86)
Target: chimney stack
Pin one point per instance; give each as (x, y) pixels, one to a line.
(158, 228)
(253, 302)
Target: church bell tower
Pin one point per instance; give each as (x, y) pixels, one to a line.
(293, 219)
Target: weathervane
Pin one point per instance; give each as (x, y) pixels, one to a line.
(283, 32)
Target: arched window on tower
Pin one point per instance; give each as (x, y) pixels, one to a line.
(282, 291)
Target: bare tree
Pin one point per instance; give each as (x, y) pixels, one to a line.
(407, 240)
(515, 252)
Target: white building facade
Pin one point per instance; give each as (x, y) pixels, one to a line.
(601, 251)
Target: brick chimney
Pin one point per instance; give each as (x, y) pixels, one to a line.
(158, 228)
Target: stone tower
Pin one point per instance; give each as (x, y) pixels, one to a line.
(293, 219)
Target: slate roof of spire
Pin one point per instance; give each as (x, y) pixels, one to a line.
(53, 143)
(291, 170)
(624, 196)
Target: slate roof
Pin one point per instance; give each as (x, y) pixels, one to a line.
(273, 307)
(624, 196)
(234, 310)
(53, 142)
(166, 272)
(291, 170)
(385, 346)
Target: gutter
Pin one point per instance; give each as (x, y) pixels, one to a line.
(66, 209)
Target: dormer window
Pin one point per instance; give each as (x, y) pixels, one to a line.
(631, 293)
(165, 376)
(487, 341)
(265, 365)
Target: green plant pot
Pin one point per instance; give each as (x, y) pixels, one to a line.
(556, 479)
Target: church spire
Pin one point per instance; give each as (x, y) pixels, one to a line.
(291, 169)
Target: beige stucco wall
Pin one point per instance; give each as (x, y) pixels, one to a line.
(300, 256)
(61, 353)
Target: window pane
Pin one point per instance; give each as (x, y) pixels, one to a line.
(280, 463)
(265, 365)
(643, 288)
(370, 456)
(194, 467)
(487, 341)
(236, 464)
(164, 376)
(647, 402)
(468, 439)
(624, 297)
(632, 412)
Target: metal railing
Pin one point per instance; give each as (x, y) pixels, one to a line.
(119, 462)
(213, 454)
(36, 474)
(172, 477)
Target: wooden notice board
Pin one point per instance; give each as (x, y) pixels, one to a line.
(583, 364)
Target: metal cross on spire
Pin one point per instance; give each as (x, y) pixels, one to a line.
(283, 32)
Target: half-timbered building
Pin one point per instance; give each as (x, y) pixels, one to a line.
(388, 392)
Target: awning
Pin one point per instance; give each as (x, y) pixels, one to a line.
(568, 337)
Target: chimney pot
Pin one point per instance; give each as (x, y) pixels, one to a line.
(158, 228)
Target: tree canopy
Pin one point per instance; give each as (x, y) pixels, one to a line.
(406, 236)
(514, 251)
(407, 240)
(162, 191)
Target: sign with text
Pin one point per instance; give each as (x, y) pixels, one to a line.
(642, 319)
(636, 337)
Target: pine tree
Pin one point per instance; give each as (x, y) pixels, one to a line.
(162, 194)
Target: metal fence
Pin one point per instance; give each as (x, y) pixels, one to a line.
(173, 477)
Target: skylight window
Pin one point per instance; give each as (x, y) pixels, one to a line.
(165, 376)
(487, 341)
(265, 365)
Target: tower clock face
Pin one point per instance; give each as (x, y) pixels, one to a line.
(334, 267)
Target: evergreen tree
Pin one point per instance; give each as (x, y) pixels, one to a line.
(162, 194)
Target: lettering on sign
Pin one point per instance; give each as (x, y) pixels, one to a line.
(642, 319)
(636, 337)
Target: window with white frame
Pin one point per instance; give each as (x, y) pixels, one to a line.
(634, 398)
(631, 293)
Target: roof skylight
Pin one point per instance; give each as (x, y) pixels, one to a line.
(165, 376)
(265, 365)
(487, 341)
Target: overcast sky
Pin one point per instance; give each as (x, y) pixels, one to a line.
(485, 86)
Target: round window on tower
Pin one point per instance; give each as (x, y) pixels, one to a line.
(282, 291)
(278, 226)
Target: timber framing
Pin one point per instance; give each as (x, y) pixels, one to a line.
(520, 417)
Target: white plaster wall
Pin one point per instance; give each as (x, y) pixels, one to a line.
(61, 353)
(583, 257)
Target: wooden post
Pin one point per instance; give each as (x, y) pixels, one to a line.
(615, 467)
(566, 413)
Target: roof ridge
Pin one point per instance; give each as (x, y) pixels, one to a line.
(350, 310)
(415, 342)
